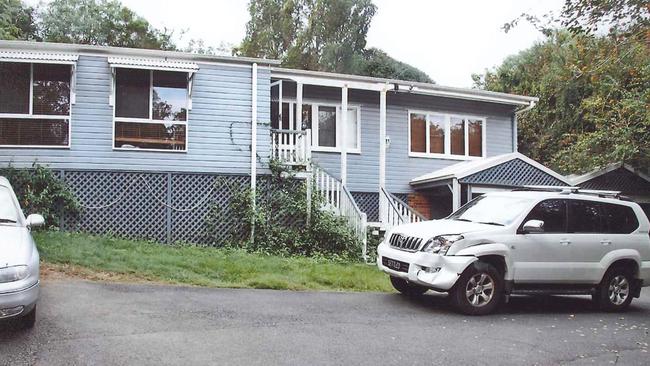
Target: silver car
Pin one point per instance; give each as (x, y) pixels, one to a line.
(19, 267)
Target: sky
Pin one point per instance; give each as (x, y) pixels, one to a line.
(449, 40)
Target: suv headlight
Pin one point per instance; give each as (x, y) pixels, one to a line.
(14, 273)
(440, 244)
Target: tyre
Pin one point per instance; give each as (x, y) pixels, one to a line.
(406, 288)
(27, 321)
(614, 293)
(479, 289)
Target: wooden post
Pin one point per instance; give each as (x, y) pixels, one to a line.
(455, 194)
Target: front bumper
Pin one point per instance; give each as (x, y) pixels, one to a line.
(434, 271)
(20, 302)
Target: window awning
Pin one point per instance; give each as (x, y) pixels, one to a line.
(38, 57)
(152, 64)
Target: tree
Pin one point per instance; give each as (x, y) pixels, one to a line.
(379, 64)
(594, 93)
(100, 22)
(17, 20)
(324, 35)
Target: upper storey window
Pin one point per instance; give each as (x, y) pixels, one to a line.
(446, 136)
(35, 103)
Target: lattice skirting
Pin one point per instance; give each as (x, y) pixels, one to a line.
(166, 207)
(368, 202)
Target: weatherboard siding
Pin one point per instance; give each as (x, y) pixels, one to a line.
(219, 125)
(363, 169)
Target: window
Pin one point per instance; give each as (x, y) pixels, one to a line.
(8, 212)
(584, 217)
(35, 104)
(150, 110)
(619, 219)
(552, 212)
(418, 132)
(449, 136)
(482, 209)
(325, 122)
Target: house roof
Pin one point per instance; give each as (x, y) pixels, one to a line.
(49, 47)
(376, 84)
(614, 177)
(513, 170)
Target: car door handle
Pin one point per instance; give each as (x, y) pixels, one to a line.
(565, 242)
(606, 242)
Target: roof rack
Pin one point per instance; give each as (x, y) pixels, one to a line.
(574, 190)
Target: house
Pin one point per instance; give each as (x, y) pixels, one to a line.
(141, 136)
(617, 177)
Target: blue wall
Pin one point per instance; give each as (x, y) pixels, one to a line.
(363, 169)
(219, 125)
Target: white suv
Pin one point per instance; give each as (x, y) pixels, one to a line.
(532, 241)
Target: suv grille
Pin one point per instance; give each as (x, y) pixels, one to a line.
(402, 242)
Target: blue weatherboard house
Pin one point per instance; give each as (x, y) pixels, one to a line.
(141, 136)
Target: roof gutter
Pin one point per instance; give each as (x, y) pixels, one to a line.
(530, 106)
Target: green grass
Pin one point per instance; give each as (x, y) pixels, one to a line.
(200, 266)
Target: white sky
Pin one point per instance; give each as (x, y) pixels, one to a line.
(447, 39)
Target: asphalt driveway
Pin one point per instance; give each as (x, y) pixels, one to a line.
(95, 323)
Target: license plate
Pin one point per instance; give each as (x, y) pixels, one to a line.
(396, 265)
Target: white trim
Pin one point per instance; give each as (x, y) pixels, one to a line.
(152, 64)
(150, 120)
(343, 118)
(378, 84)
(254, 132)
(38, 57)
(447, 142)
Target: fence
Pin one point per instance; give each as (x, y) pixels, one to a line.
(166, 207)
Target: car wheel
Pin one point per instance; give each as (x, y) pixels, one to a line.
(407, 288)
(614, 292)
(27, 321)
(479, 289)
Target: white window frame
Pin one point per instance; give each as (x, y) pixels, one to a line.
(314, 124)
(150, 119)
(32, 116)
(447, 126)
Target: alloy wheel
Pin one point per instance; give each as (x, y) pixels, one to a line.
(619, 290)
(480, 289)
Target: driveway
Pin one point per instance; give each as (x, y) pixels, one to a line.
(105, 323)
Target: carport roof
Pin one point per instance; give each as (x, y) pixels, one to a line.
(512, 170)
(615, 177)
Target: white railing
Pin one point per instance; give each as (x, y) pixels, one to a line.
(337, 198)
(397, 211)
(291, 147)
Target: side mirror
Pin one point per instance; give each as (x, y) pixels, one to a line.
(534, 226)
(35, 220)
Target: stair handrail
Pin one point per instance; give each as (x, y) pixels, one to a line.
(398, 211)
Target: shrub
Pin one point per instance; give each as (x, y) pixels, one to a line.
(40, 191)
(280, 221)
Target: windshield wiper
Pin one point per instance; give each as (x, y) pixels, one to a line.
(4, 221)
(466, 220)
(491, 223)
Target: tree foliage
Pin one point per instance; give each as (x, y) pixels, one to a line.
(96, 22)
(17, 21)
(594, 95)
(324, 35)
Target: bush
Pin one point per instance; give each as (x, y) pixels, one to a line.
(280, 221)
(40, 191)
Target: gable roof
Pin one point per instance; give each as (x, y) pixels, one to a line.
(616, 177)
(513, 169)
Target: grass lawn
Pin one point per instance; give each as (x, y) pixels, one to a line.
(104, 257)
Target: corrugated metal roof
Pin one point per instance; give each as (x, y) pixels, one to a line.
(513, 169)
(152, 63)
(25, 56)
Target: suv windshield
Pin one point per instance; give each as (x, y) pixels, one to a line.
(8, 213)
(493, 210)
